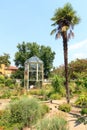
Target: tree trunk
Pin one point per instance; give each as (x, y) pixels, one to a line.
(65, 48)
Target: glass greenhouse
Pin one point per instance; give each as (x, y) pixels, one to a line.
(33, 73)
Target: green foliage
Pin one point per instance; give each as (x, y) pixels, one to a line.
(2, 79)
(9, 82)
(27, 50)
(41, 94)
(82, 81)
(38, 92)
(57, 83)
(2, 85)
(85, 82)
(22, 112)
(19, 74)
(55, 96)
(83, 111)
(47, 56)
(78, 68)
(53, 123)
(65, 107)
(72, 87)
(44, 109)
(83, 117)
(81, 101)
(35, 92)
(4, 59)
(5, 118)
(6, 94)
(64, 18)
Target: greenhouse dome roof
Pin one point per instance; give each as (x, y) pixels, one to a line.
(34, 59)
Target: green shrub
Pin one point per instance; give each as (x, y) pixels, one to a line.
(35, 92)
(5, 94)
(65, 107)
(22, 112)
(14, 98)
(9, 82)
(85, 82)
(57, 83)
(83, 117)
(53, 123)
(2, 79)
(83, 111)
(55, 96)
(44, 109)
(4, 118)
(2, 85)
(11, 86)
(25, 110)
(81, 101)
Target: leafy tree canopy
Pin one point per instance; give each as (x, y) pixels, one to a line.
(27, 50)
(77, 69)
(4, 59)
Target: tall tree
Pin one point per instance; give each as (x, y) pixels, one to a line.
(4, 59)
(47, 56)
(65, 18)
(27, 50)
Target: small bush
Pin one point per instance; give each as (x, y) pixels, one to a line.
(22, 112)
(4, 118)
(83, 111)
(2, 79)
(81, 101)
(83, 117)
(44, 109)
(53, 123)
(5, 94)
(65, 107)
(25, 110)
(57, 83)
(9, 82)
(55, 96)
(2, 85)
(35, 92)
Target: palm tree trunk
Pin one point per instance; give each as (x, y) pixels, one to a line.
(65, 48)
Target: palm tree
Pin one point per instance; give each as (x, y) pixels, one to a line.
(64, 19)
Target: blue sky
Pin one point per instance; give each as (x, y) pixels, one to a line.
(29, 21)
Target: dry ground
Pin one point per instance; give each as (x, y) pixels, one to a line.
(70, 117)
(54, 110)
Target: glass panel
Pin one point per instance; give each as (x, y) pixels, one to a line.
(39, 76)
(32, 67)
(32, 76)
(39, 67)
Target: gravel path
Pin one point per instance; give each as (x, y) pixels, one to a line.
(69, 117)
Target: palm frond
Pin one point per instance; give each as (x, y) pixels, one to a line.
(58, 35)
(65, 18)
(53, 31)
(70, 34)
(54, 24)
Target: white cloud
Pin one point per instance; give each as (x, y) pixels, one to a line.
(79, 55)
(78, 45)
(78, 50)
